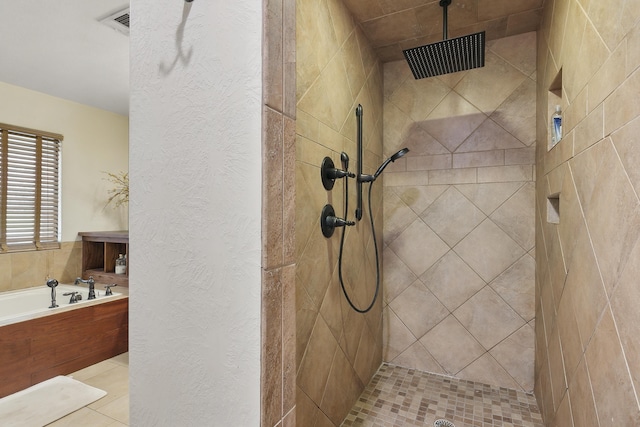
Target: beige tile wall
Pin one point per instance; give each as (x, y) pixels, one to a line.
(459, 218)
(278, 322)
(587, 294)
(337, 349)
(21, 270)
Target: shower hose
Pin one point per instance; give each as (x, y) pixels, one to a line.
(375, 246)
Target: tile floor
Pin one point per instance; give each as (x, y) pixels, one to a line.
(399, 396)
(111, 375)
(396, 396)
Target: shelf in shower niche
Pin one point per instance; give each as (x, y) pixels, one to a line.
(553, 209)
(99, 252)
(554, 99)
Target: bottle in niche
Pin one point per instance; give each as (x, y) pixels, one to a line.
(556, 126)
(121, 264)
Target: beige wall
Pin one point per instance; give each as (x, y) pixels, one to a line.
(94, 141)
(459, 218)
(21, 270)
(338, 350)
(587, 295)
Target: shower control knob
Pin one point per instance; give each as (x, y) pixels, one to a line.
(329, 221)
(338, 222)
(329, 173)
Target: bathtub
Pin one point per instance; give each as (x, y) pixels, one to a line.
(16, 306)
(38, 343)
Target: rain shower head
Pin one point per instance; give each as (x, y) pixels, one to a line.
(447, 56)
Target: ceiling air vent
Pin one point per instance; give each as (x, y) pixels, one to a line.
(119, 21)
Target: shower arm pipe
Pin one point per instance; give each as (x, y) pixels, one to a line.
(360, 161)
(445, 17)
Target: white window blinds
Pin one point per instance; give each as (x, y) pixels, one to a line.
(29, 189)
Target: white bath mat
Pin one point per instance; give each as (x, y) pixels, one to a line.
(46, 402)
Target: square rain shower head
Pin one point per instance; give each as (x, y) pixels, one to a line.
(447, 56)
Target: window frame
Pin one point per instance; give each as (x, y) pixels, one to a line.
(30, 162)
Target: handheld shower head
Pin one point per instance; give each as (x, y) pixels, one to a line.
(393, 158)
(399, 154)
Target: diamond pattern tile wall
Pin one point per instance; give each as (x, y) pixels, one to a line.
(419, 247)
(488, 250)
(459, 219)
(337, 350)
(452, 216)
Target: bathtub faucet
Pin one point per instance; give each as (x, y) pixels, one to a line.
(91, 283)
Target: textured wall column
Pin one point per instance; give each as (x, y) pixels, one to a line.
(195, 212)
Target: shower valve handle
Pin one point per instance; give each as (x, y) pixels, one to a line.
(334, 173)
(329, 173)
(338, 222)
(329, 221)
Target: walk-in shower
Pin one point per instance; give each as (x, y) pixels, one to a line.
(328, 219)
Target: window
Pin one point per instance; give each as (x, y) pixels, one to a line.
(29, 189)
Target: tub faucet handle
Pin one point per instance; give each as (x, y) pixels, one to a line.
(108, 288)
(74, 296)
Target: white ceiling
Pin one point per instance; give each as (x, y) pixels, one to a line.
(59, 47)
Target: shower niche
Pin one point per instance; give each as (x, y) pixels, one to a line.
(553, 209)
(554, 102)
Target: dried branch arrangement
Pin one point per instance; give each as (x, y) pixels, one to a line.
(119, 194)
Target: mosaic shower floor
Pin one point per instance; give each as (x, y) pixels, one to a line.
(399, 396)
